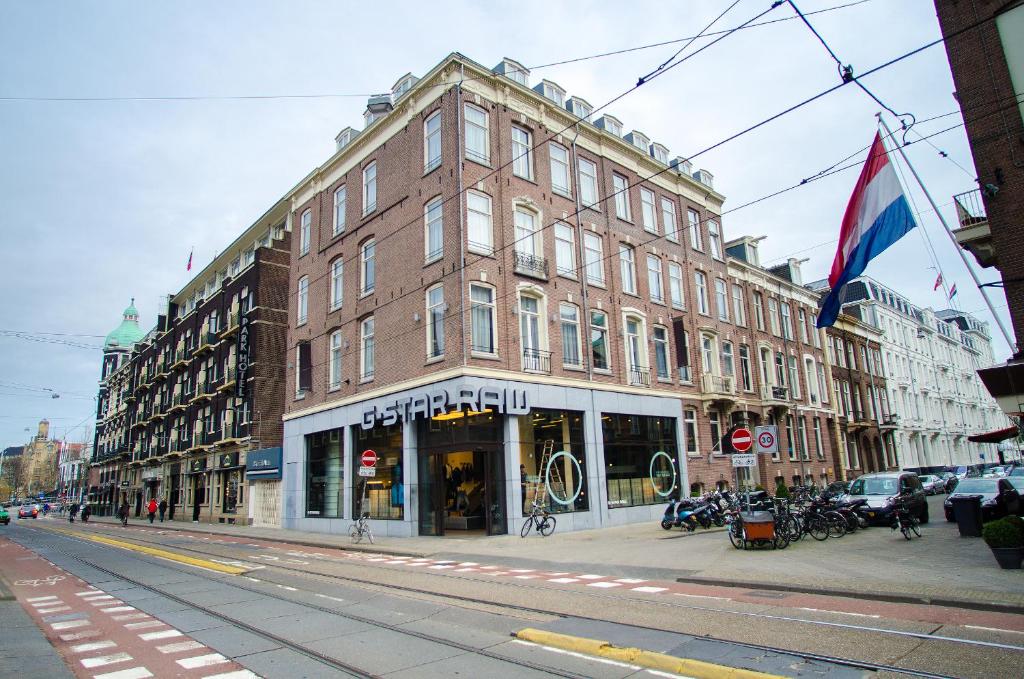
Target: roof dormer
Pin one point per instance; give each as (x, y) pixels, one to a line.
(403, 85)
(377, 107)
(579, 107)
(552, 91)
(639, 140)
(610, 124)
(514, 71)
(659, 153)
(682, 166)
(345, 138)
(705, 178)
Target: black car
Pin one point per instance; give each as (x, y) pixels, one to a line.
(998, 497)
(883, 490)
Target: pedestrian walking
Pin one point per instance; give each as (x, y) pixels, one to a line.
(151, 509)
(123, 512)
(86, 511)
(72, 512)
(163, 508)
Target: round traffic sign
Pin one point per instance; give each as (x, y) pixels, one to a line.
(369, 458)
(742, 440)
(766, 440)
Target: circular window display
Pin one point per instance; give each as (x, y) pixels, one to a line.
(579, 477)
(658, 476)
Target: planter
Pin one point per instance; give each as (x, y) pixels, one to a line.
(1008, 557)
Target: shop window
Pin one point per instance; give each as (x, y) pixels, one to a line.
(640, 453)
(381, 496)
(690, 423)
(558, 484)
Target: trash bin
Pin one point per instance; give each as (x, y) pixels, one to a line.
(967, 511)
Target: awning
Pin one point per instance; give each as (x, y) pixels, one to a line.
(995, 436)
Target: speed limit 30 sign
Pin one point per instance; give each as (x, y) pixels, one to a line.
(767, 438)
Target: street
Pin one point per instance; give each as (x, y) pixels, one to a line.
(145, 601)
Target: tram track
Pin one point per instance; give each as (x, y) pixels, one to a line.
(419, 592)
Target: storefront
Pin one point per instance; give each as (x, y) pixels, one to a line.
(472, 456)
(263, 478)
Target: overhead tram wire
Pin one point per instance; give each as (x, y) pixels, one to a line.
(713, 146)
(610, 256)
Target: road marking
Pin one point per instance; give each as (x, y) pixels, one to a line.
(80, 635)
(703, 596)
(145, 624)
(131, 673)
(650, 590)
(521, 570)
(39, 598)
(821, 610)
(164, 634)
(630, 581)
(469, 563)
(465, 570)
(69, 624)
(94, 646)
(112, 602)
(238, 674)
(574, 654)
(129, 616)
(118, 609)
(100, 661)
(527, 577)
(441, 567)
(591, 577)
(993, 629)
(97, 596)
(564, 581)
(89, 592)
(202, 661)
(605, 585)
(179, 647)
(332, 598)
(290, 589)
(44, 611)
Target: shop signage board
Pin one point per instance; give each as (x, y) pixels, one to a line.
(369, 458)
(242, 352)
(507, 401)
(367, 471)
(744, 460)
(767, 438)
(741, 440)
(263, 464)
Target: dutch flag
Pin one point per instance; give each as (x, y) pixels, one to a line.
(876, 217)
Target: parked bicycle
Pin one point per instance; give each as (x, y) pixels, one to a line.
(540, 519)
(360, 528)
(905, 520)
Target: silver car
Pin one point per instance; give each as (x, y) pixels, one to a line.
(932, 484)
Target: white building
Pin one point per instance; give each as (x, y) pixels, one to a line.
(930, 361)
(72, 463)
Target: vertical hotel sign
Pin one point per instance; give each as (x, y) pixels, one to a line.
(242, 353)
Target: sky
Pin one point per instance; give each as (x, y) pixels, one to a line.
(196, 136)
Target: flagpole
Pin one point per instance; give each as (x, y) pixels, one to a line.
(949, 232)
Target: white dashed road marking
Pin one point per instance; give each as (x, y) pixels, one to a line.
(131, 673)
(103, 660)
(93, 646)
(202, 661)
(164, 634)
(179, 647)
(69, 624)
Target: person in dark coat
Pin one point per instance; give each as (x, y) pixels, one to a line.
(72, 512)
(86, 512)
(163, 508)
(122, 512)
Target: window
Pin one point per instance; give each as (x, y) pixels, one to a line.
(804, 452)
(337, 283)
(803, 327)
(790, 439)
(636, 352)
(787, 322)
(588, 183)
(478, 208)
(559, 168)
(432, 142)
(766, 360)
(325, 475)
(728, 360)
(639, 451)
(531, 332)
(435, 321)
(690, 426)
(668, 216)
(522, 153)
(339, 209)
(715, 240)
(661, 352)
(773, 316)
(695, 238)
(303, 370)
(528, 237)
(794, 377)
(433, 230)
(654, 278)
(305, 223)
(565, 250)
(715, 420)
(738, 312)
(334, 361)
(759, 310)
(627, 268)
(593, 252)
(599, 339)
(621, 188)
(702, 292)
(303, 305)
(368, 267)
(818, 450)
(571, 349)
(745, 373)
(484, 319)
(675, 284)
(370, 188)
(366, 349)
(780, 369)
(477, 143)
(647, 215)
(721, 300)
(811, 374)
(707, 355)
(823, 383)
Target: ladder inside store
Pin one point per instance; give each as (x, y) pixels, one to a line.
(546, 483)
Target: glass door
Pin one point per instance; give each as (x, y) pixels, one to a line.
(494, 484)
(431, 494)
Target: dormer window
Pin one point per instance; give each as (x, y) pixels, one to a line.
(513, 70)
(610, 124)
(705, 178)
(579, 107)
(659, 153)
(403, 85)
(682, 166)
(551, 91)
(344, 138)
(639, 140)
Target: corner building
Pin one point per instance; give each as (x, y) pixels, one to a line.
(507, 302)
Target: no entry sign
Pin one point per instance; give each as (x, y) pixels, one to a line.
(369, 458)
(742, 440)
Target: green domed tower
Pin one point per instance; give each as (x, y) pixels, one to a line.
(121, 340)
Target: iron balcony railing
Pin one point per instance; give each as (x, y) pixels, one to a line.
(639, 376)
(970, 209)
(531, 265)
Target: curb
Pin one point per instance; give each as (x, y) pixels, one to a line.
(887, 597)
(698, 669)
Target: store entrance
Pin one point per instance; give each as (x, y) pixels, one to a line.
(462, 492)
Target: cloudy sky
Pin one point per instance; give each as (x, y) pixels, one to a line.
(102, 200)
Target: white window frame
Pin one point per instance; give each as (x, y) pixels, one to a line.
(305, 227)
(600, 331)
(529, 238)
(560, 169)
(677, 295)
(787, 320)
(635, 344)
(722, 299)
(522, 153)
(430, 161)
(668, 218)
(484, 155)
(337, 283)
(773, 316)
(479, 223)
(370, 188)
(492, 311)
(709, 354)
(802, 320)
(659, 336)
(594, 256)
(569, 315)
(701, 287)
(714, 239)
(586, 180)
(367, 358)
(648, 214)
(368, 267)
(565, 250)
(433, 225)
(627, 268)
(693, 222)
(302, 305)
(759, 311)
(690, 423)
(435, 310)
(746, 370)
(340, 203)
(655, 283)
(620, 188)
(334, 361)
(738, 307)
(538, 344)
(793, 375)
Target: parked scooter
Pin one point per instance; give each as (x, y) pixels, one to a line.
(679, 514)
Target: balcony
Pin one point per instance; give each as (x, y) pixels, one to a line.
(234, 433)
(531, 265)
(974, 234)
(181, 358)
(229, 380)
(231, 324)
(207, 342)
(774, 394)
(639, 376)
(178, 402)
(718, 384)
(890, 421)
(203, 391)
(536, 361)
(162, 368)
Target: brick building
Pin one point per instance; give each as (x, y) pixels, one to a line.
(447, 264)
(185, 407)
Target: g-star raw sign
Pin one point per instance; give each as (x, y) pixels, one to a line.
(509, 401)
(242, 352)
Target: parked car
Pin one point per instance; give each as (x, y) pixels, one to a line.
(882, 490)
(28, 512)
(994, 472)
(5, 518)
(932, 484)
(963, 472)
(999, 497)
(950, 479)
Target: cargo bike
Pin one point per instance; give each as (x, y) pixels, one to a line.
(756, 529)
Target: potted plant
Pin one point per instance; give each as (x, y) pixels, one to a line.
(781, 491)
(1006, 540)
